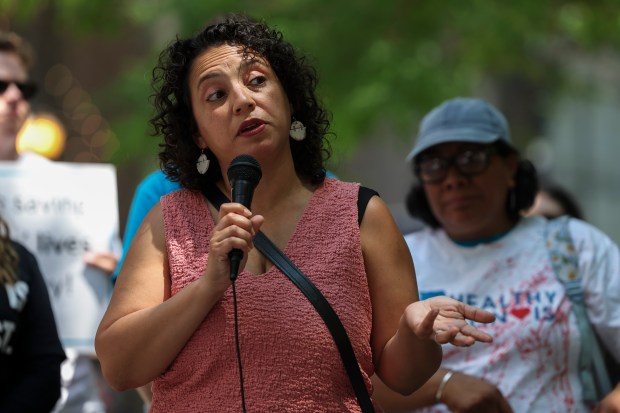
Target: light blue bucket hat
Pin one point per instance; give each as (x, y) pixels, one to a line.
(461, 120)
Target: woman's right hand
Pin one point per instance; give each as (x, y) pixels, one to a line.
(469, 394)
(236, 228)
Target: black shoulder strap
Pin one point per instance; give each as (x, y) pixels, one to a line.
(363, 197)
(327, 313)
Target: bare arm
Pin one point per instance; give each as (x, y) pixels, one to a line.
(144, 328)
(408, 361)
(393, 402)
(461, 393)
(407, 332)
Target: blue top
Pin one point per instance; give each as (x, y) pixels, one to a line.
(148, 192)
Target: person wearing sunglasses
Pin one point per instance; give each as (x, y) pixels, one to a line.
(81, 375)
(471, 186)
(30, 350)
(15, 91)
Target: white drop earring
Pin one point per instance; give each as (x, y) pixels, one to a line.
(297, 131)
(202, 164)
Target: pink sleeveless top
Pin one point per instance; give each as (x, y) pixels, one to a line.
(290, 361)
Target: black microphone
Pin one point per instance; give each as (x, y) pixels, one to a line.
(243, 174)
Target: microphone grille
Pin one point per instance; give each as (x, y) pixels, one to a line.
(245, 167)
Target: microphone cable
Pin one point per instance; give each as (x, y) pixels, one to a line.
(244, 173)
(238, 347)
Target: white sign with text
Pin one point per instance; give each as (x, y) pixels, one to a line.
(61, 211)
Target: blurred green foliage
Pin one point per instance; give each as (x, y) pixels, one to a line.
(380, 62)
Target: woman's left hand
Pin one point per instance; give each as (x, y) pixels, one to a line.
(445, 320)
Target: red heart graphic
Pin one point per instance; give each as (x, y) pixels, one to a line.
(520, 313)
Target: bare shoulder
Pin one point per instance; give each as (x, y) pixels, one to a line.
(386, 254)
(378, 225)
(153, 226)
(389, 270)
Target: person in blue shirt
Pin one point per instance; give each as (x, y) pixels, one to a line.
(147, 194)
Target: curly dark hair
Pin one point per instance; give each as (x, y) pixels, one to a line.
(526, 187)
(174, 119)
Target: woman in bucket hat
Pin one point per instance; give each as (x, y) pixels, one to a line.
(470, 190)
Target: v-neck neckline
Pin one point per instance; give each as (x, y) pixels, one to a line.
(294, 234)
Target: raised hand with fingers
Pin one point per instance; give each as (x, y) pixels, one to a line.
(445, 320)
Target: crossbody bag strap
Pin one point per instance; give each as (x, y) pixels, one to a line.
(314, 295)
(565, 261)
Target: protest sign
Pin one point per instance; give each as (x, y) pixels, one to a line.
(60, 211)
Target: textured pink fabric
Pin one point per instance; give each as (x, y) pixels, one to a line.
(290, 361)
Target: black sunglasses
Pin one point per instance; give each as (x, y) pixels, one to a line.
(27, 89)
(434, 169)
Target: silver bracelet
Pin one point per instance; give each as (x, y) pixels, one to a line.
(442, 385)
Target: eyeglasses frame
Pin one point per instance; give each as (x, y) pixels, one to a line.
(488, 151)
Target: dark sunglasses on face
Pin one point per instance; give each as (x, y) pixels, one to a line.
(434, 169)
(27, 89)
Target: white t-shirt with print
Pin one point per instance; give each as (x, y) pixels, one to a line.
(533, 358)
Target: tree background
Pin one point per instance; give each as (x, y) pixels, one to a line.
(382, 65)
(387, 61)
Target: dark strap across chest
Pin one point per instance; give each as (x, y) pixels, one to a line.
(314, 295)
